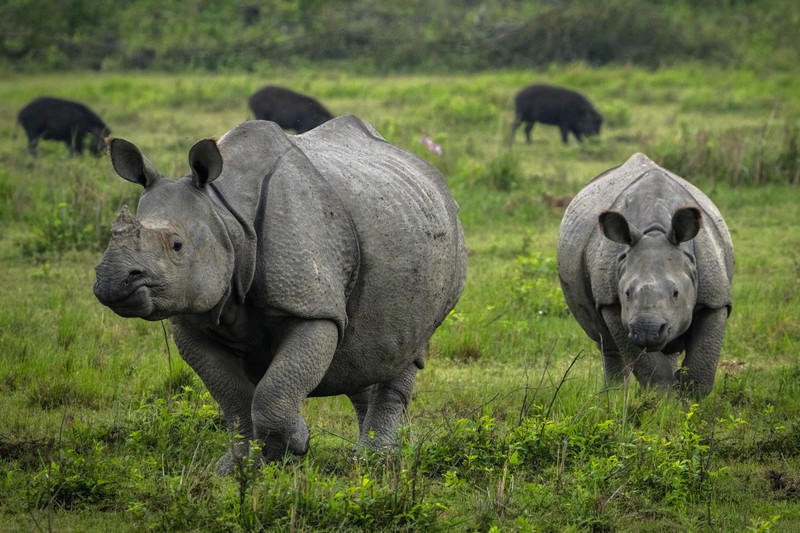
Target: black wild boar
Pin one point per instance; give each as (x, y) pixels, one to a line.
(57, 119)
(557, 106)
(288, 109)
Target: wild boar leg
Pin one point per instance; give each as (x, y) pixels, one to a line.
(514, 127)
(32, 145)
(528, 129)
(703, 346)
(564, 132)
(304, 355)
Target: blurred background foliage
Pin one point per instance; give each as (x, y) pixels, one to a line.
(376, 36)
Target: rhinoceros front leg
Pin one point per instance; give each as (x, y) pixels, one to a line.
(224, 377)
(616, 366)
(650, 368)
(615, 369)
(300, 362)
(703, 346)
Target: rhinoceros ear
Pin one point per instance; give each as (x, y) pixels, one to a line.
(686, 223)
(616, 227)
(206, 162)
(130, 164)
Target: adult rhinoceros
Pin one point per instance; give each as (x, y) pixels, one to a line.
(645, 262)
(291, 266)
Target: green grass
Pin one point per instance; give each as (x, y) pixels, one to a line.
(103, 427)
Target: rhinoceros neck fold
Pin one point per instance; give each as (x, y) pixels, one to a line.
(245, 225)
(243, 241)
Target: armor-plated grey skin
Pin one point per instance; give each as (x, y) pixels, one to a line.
(291, 266)
(645, 262)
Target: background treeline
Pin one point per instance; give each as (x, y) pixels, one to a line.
(386, 35)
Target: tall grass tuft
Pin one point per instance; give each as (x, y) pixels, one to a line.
(734, 156)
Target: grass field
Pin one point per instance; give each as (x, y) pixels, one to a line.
(103, 427)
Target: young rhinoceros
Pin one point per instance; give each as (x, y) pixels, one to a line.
(291, 266)
(645, 262)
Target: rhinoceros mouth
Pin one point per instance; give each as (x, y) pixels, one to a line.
(134, 302)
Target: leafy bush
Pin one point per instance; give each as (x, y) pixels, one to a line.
(167, 429)
(74, 479)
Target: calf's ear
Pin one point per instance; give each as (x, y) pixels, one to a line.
(130, 164)
(686, 223)
(206, 162)
(617, 228)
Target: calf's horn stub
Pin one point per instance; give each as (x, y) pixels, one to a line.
(125, 223)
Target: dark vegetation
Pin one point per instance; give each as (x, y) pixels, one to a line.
(384, 35)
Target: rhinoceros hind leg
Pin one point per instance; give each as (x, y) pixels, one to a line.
(387, 403)
(360, 401)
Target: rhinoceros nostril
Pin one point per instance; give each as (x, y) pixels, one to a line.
(647, 333)
(133, 275)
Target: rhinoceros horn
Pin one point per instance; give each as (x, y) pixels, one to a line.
(125, 224)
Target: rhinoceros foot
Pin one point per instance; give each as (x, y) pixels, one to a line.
(275, 449)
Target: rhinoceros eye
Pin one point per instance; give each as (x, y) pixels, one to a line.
(675, 293)
(627, 294)
(177, 245)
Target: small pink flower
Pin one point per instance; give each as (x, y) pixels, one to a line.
(430, 145)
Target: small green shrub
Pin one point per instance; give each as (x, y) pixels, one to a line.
(503, 172)
(75, 479)
(168, 429)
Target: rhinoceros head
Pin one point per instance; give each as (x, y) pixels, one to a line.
(657, 277)
(175, 256)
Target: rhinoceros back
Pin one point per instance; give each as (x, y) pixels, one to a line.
(411, 242)
(647, 195)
